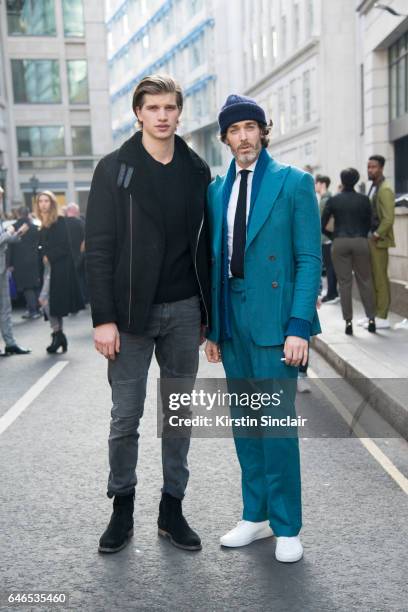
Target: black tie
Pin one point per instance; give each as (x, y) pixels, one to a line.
(239, 239)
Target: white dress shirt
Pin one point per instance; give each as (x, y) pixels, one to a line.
(232, 206)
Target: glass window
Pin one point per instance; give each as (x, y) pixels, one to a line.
(198, 106)
(309, 17)
(398, 66)
(31, 18)
(293, 104)
(145, 45)
(77, 71)
(41, 141)
(306, 97)
(274, 41)
(212, 148)
(168, 25)
(73, 11)
(194, 6)
(281, 111)
(296, 24)
(283, 35)
(36, 81)
(82, 145)
(401, 86)
(264, 47)
(197, 53)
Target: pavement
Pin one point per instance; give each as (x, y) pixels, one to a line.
(54, 507)
(375, 364)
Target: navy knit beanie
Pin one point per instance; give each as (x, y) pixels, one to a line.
(239, 108)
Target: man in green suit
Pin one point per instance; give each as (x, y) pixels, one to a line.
(266, 264)
(383, 203)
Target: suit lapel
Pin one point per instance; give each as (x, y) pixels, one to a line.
(215, 201)
(272, 183)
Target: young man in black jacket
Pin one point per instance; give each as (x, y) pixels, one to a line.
(148, 274)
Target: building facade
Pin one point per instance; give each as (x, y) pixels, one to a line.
(331, 74)
(383, 69)
(283, 53)
(191, 40)
(56, 88)
(299, 63)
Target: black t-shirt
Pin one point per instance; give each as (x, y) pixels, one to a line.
(178, 279)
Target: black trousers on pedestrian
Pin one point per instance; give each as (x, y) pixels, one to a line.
(353, 255)
(330, 272)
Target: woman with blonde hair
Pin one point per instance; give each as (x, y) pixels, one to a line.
(60, 293)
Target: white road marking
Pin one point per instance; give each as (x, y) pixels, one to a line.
(18, 408)
(362, 436)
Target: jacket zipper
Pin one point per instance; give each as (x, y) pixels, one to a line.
(195, 266)
(131, 257)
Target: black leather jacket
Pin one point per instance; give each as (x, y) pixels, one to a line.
(352, 215)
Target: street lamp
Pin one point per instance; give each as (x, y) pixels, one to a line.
(34, 182)
(3, 177)
(389, 9)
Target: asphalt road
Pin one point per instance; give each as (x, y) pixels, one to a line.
(54, 506)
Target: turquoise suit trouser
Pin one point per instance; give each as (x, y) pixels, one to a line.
(270, 464)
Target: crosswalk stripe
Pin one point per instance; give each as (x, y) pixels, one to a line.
(34, 391)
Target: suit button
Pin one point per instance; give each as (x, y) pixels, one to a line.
(272, 258)
(274, 285)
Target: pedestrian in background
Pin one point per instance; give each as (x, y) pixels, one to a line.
(76, 226)
(350, 251)
(382, 238)
(8, 236)
(322, 184)
(23, 261)
(60, 294)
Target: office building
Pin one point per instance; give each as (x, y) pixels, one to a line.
(56, 93)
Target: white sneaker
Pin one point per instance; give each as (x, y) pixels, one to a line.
(402, 324)
(303, 385)
(288, 550)
(246, 532)
(362, 322)
(380, 323)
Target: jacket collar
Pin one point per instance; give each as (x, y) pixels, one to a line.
(130, 151)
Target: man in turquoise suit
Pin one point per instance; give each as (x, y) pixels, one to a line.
(266, 264)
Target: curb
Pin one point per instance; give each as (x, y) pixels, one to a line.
(389, 406)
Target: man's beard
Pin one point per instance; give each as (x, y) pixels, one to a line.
(247, 158)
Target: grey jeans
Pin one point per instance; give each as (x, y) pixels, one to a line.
(5, 310)
(173, 332)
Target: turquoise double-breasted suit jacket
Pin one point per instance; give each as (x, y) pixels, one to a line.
(282, 263)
